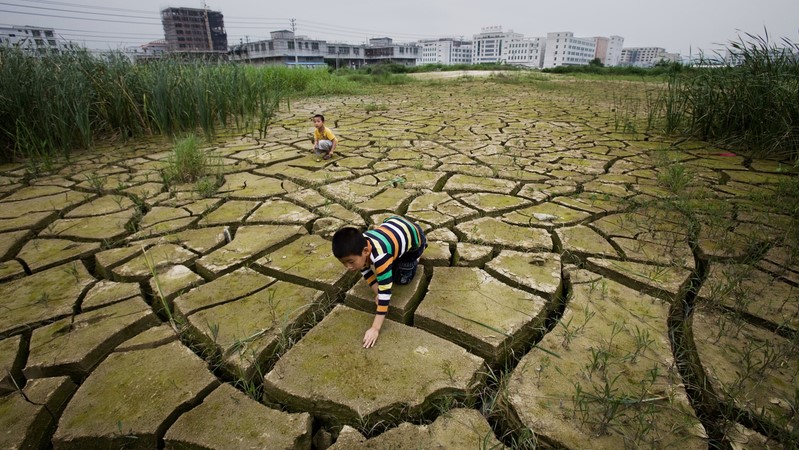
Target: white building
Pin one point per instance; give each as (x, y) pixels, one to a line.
(615, 47)
(446, 51)
(33, 39)
(492, 45)
(487, 46)
(563, 49)
(608, 50)
(527, 52)
(646, 56)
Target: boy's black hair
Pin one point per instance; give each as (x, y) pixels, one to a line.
(319, 116)
(348, 241)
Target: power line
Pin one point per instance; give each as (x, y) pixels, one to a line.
(72, 11)
(76, 18)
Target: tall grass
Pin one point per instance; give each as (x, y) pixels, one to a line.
(749, 101)
(57, 102)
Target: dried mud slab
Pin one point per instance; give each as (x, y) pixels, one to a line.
(329, 374)
(132, 396)
(456, 428)
(605, 376)
(751, 368)
(47, 295)
(227, 416)
(75, 345)
(28, 417)
(471, 308)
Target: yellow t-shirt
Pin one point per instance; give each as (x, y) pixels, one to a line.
(326, 134)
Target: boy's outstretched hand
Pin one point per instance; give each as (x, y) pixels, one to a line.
(370, 338)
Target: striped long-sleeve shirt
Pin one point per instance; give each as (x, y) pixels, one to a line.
(392, 239)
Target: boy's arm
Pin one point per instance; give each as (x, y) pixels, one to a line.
(384, 277)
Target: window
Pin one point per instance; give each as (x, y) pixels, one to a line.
(36, 33)
(291, 45)
(314, 46)
(51, 42)
(48, 33)
(306, 46)
(271, 45)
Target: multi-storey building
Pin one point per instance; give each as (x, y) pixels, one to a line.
(608, 50)
(446, 51)
(284, 48)
(384, 50)
(487, 46)
(646, 56)
(31, 39)
(340, 55)
(615, 46)
(527, 52)
(563, 49)
(192, 30)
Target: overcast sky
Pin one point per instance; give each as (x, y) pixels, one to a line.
(676, 25)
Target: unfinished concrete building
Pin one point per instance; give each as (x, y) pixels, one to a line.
(194, 30)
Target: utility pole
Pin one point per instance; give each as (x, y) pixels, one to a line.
(294, 36)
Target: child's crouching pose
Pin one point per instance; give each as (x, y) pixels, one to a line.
(386, 255)
(324, 141)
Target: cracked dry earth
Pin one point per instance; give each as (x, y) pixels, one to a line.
(569, 297)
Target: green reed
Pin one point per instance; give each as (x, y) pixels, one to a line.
(54, 103)
(747, 99)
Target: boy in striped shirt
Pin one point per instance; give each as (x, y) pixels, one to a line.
(385, 255)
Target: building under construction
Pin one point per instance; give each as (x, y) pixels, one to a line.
(192, 30)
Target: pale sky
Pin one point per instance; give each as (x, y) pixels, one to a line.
(676, 25)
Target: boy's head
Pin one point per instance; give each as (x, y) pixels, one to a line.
(319, 121)
(351, 248)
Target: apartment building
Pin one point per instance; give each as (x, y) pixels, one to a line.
(646, 56)
(193, 30)
(564, 49)
(32, 39)
(446, 51)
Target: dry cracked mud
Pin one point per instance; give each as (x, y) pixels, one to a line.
(583, 288)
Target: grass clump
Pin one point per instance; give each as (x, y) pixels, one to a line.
(189, 163)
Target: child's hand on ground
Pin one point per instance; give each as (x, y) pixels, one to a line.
(370, 337)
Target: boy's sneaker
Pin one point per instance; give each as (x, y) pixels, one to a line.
(406, 271)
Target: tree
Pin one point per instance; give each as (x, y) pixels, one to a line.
(596, 62)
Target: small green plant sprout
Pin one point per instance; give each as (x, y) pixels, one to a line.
(96, 182)
(72, 269)
(539, 371)
(448, 370)
(569, 331)
(641, 341)
(675, 177)
(396, 181)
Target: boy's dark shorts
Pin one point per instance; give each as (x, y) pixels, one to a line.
(404, 268)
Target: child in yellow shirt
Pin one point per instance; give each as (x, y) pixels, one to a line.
(324, 141)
